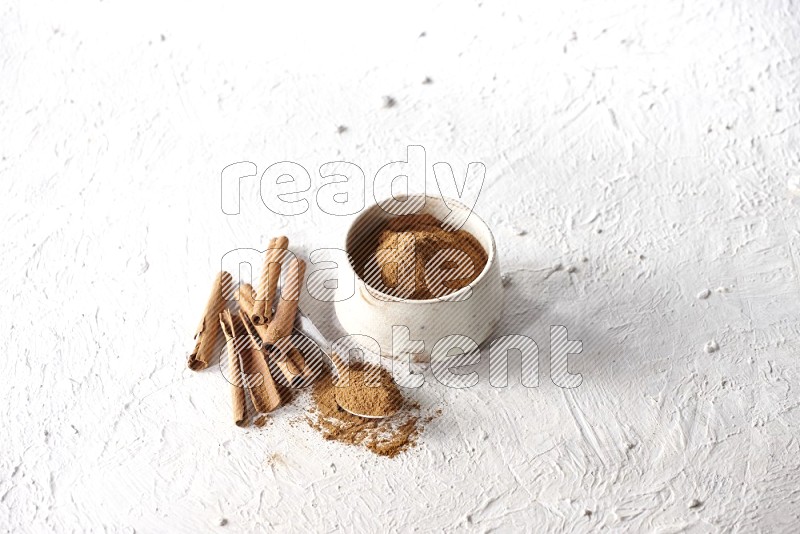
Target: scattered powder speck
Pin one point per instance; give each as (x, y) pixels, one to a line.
(275, 459)
(711, 346)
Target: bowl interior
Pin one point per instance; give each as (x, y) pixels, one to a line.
(362, 238)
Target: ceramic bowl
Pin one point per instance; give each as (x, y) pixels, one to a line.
(473, 311)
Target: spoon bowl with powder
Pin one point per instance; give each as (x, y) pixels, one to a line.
(366, 390)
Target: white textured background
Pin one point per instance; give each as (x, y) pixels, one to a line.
(656, 139)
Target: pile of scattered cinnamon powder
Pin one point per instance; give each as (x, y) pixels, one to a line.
(405, 248)
(385, 437)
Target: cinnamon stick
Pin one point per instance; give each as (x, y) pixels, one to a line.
(292, 363)
(207, 332)
(246, 292)
(280, 328)
(282, 324)
(297, 362)
(268, 286)
(246, 303)
(247, 300)
(288, 367)
(234, 369)
(263, 390)
(296, 357)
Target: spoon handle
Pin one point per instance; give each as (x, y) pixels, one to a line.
(304, 325)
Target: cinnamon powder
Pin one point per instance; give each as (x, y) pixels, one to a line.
(370, 391)
(384, 437)
(418, 259)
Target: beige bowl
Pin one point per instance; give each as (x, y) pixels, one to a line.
(472, 311)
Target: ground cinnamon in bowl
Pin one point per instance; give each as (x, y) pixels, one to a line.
(417, 258)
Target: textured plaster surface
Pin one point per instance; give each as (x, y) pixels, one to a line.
(651, 146)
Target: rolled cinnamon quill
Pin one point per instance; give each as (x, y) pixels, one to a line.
(280, 328)
(208, 330)
(246, 293)
(288, 368)
(268, 286)
(291, 362)
(282, 324)
(234, 369)
(296, 357)
(247, 299)
(263, 390)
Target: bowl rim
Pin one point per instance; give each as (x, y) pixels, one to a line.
(491, 254)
